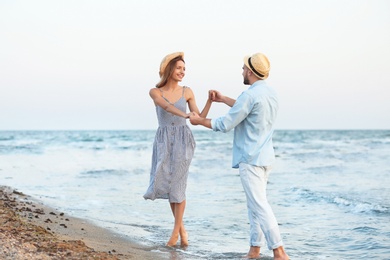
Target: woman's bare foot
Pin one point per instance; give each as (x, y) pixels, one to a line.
(254, 252)
(184, 239)
(173, 240)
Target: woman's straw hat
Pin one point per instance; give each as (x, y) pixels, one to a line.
(259, 64)
(167, 59)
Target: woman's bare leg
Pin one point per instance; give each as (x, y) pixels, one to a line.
(183, 232)
(179, 229)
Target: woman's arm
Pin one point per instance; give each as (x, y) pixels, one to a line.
(192, 104)
(160, 101)
(206, 108)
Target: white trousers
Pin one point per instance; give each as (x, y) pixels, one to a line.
(263, 224)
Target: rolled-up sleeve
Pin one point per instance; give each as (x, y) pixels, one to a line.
(236, 114)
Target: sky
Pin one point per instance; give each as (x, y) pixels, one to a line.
(89, 65)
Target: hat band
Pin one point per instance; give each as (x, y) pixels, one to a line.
(253, 69)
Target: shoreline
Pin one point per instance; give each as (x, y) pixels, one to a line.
(32, 230)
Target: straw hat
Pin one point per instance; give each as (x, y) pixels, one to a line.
(167, 59)
(259, 64)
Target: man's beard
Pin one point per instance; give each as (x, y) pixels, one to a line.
(246, 81)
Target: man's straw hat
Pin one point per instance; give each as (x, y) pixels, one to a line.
(259, 64)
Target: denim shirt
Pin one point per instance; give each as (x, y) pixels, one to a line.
(252, 116)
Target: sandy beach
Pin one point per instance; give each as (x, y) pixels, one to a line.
(31, 230)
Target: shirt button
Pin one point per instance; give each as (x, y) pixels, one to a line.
(173, 123)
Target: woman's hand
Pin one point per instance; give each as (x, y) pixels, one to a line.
(194, 118)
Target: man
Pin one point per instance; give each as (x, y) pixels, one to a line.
(252, 116)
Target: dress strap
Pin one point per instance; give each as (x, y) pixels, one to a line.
(184, 88)
(162, 95)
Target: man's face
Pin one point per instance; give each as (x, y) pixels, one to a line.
(245, 74)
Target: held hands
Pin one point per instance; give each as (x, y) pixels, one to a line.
(194, 118)
(215, 96)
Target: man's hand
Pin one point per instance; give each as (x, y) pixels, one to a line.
(194, 118)
(215, 96)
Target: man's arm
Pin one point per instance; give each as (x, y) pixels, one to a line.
(216, 96)
(228, 101)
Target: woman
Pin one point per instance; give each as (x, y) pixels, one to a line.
(174, 143)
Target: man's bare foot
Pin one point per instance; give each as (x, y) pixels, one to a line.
(254, 252)
(280, 254)
(173, 240)
(184, 239)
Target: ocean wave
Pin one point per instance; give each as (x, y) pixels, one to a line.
(325, 169)
(102, 173)
(6, 138)
(366, 230)
(91, 139)
(357, 206)
(352, 205)
(15, 149)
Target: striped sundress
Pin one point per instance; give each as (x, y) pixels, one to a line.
(173, 149)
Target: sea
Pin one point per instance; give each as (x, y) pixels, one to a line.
(329, 189)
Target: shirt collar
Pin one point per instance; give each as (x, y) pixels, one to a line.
(259, 83)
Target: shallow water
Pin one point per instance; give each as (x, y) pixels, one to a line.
(330, 190)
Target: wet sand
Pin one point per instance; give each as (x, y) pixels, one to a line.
(31, 230)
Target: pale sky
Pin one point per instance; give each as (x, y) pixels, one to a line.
(81, 65)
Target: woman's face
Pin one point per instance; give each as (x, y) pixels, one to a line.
(179, 72)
